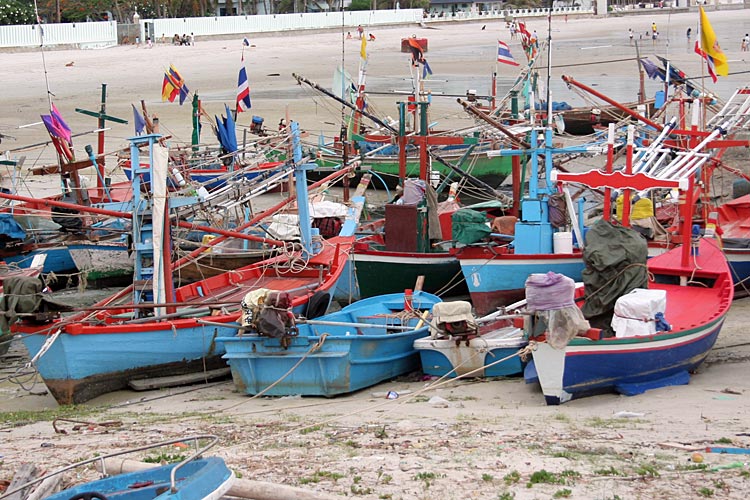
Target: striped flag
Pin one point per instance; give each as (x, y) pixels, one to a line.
(711, 51)
(503, 54)
(243, 90)
(709, 61)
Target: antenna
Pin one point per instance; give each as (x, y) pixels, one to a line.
(549, 64)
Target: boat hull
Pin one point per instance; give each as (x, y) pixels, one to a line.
(200, 479)
(79, 367)
(496, 280)
(441, 271)
(480, 358)
(349, 358)
(626, 366)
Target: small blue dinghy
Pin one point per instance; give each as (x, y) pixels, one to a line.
(194, 478)
(367, 342)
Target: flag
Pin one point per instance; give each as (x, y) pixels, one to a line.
(651, 69)
(426, 70)
(709, 61)
(138, 121)
(503, 54)
(525, 35)
(416, 50)
(184, 91)
(173, 85)
(62, 127)
(710, 46)
(168, 90)
(363, 49)
(243, 90)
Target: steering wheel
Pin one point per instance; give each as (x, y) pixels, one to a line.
(89, 495)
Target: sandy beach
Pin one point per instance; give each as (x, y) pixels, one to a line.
(488, 439)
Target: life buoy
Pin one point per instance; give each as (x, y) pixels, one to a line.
(317, 305)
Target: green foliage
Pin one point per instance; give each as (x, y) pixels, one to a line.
(506, 495)
(705, 492)
(360, 5)
(13, 12)
(487, 478)
(563, 493)
(164, 458)
(647, 470)
(512, 477)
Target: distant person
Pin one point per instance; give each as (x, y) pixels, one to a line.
(534, 40)
(689, 33)
(348, 35)
(654, 36)
(630, 35)
(149, 43)
(184, 39)
(653, 27)
(176, 39)
(191, 39)
(372, 37)
(360, 31)
(745, 42)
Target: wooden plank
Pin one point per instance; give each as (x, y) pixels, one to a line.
(177, 380)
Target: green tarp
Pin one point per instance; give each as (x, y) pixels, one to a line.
(615, 258)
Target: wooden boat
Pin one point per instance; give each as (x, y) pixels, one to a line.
(694, 280)
(359, 346)
(630, 365)
(194, 478)
(460, 345)
(401, 250)
(586, 120)
(160, 333)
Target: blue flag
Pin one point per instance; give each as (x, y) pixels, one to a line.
(138, 121)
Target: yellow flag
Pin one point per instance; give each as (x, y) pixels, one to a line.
(710, 46)
(363, 49)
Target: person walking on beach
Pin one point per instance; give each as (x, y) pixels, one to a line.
(745, 42)
(653, 28)
(689, 34)
(630, 35)
(360, 31)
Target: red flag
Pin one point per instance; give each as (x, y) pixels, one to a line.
(709, 61)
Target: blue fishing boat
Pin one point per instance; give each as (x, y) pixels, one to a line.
(194, 478)
(359, 346)
(160, 331)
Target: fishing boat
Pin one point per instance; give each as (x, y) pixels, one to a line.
(361, 345)
(663, 330)
(192, 478)
(159, 330)
(461, 345)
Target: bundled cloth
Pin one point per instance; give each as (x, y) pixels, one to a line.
(551, 297)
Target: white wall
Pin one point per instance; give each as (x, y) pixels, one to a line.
(85, 35)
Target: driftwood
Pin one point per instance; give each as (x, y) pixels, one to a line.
(46, 488)
(242, 488)
(25, 473)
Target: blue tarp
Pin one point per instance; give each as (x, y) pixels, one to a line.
(10, 229)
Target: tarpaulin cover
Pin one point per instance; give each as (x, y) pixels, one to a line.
(615, 259)
(469, 226)
(23, 295)
(10, 229)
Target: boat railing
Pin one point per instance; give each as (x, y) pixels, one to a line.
(199, 451)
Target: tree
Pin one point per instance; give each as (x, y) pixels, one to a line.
(13, 12)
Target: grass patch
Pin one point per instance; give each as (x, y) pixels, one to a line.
(647, 470)
(168, 458)
(312, 428)
(512, 477)
(724, 441)
(563, 493)
(544, 477)
(705, 492)
(609, 471)
(506, 495)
